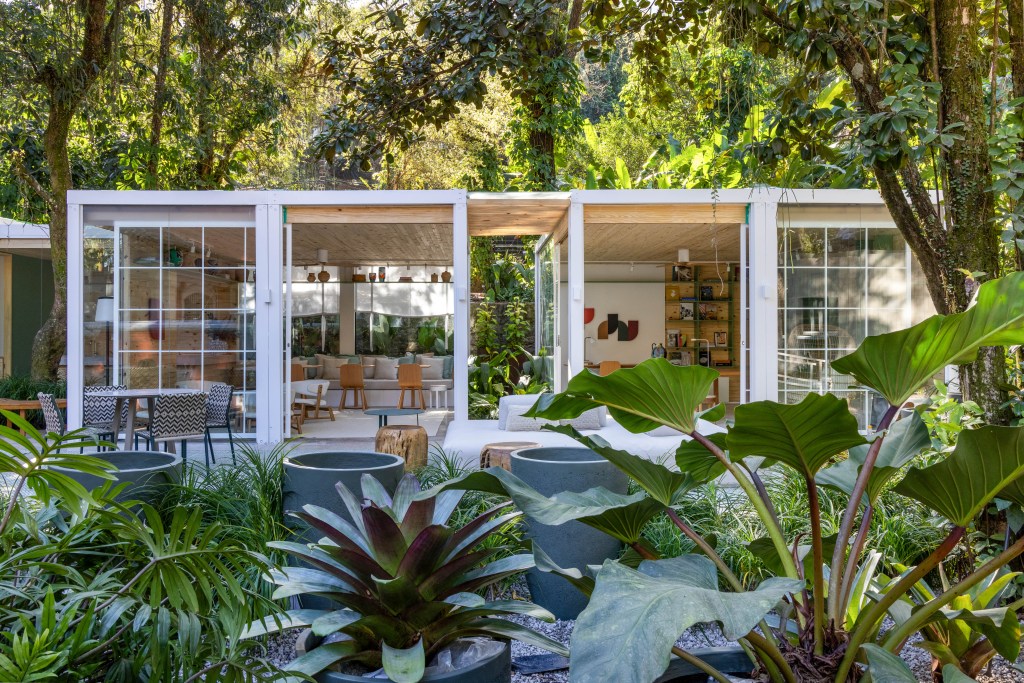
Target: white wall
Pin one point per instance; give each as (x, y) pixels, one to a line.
(640, 301)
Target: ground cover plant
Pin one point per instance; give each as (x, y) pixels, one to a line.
(96, 589)
(819, 617)
(407, 583)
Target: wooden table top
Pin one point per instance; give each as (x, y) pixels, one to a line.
(27, 404)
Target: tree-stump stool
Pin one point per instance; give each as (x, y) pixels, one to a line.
(498, 454)
(408, 441)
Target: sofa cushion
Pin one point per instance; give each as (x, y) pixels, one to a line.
(507, 401)
(369, 364)
(436, 369)
(664, 430)
(449, 366)
(329, 366)
(407, 359)
(515, 422)
(590, 419)
(385, 368)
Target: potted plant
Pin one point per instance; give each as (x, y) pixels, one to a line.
(549, 470)
(309, 479)
(144, 473)
(820, 633)
(408, 585)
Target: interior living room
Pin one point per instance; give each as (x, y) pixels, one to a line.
(370, 318)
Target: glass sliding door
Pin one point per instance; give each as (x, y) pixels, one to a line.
(546, 305)
(169, 300)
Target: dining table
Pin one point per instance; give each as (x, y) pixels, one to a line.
(133, 396)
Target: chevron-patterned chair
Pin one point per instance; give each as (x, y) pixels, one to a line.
(177, 417)
(55, 423)
(98, 411)
(218, 416)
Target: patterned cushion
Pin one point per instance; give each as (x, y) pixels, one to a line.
(517, 423)
(590, 419)
(176, 416)
(99, 410)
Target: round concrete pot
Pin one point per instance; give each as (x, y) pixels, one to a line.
(145, 472)
(551, 470)
(310, 479)
(494, 669)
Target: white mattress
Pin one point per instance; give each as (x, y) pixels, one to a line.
(465, 439)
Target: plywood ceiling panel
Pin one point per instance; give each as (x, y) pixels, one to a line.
(372, 243)
(664, 213)
(369, 214)
(511, 215)
(660, 243)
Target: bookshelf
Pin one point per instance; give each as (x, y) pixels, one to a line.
(701, 303)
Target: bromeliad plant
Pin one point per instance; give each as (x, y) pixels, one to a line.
(406, 582)
(828, 627)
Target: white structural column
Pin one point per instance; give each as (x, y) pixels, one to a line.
(76, 316)
(576, 279)
(762, 257)
(269, 316)
(461, 276)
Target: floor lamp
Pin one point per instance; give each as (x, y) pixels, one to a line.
(105, 315)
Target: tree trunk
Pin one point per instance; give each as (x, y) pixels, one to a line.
(51, 339)
(973, 240)
(159, 97)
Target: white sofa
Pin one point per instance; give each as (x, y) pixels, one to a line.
(465, 438)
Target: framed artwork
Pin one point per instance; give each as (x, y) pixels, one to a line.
(721, 338)
(686, 311)
(685, 358)
(682, 273)
(707, 311)
(707, 292)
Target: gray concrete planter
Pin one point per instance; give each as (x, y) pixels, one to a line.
(551, 470)
(145, 472)
(310, 478)
(730, 660)
(494, 669)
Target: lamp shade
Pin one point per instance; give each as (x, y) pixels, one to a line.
(105, 309)
(684, 256)
(321, 256)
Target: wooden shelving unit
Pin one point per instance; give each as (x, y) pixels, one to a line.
(701, 303)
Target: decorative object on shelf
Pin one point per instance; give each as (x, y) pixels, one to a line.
(323, 276)
(358, 276)
(405, 278)
(446, 276)
(686, 311)
(707, 292)
(673, 293)
(721, 339)
(309, 276)
(174, 256)
(682, 274)
(321, 257)
(373, 277)
(703, 352)
(685, 358)
(434, 277)
(380, 273)
(588, 315)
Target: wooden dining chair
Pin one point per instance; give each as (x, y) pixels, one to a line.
(352, 380)
(607, 367)
(410, 378)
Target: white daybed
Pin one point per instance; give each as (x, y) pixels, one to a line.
(465, 438)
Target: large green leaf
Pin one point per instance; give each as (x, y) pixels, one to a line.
(885, 666)
(634, 617)
(804, 435)
(694, 459)
(621, 516)
(404, 665)
(661, 483)
(905, 439)
(983, 463)
(642, 398)
(897, 364)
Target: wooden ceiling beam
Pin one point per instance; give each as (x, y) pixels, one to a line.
(370, 214)
(664, 213)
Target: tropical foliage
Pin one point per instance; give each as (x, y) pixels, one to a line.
(96, 588)
(406, 583)
(834, 595)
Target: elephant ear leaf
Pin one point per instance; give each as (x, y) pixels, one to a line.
(803, 435)
(905, 439)
(986, 462)
(652, 394)
(702, 465)
(897, 364)
(634, 617)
